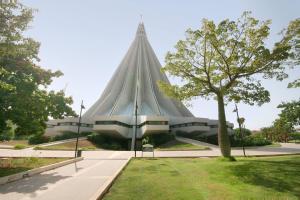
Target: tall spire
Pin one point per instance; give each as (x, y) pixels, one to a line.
(135, 82)
(141, 18)
(141, 30)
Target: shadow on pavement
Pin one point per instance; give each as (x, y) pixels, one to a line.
(32, 184)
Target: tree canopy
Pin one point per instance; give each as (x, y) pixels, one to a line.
(24, 95)
(292, 38)
(290, 113)
(220, 60)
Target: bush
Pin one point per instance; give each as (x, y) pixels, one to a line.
(245, 132)
(65, 136)
(38, 139)
(294, 136)
(21, 137)
(159, 139)
(69, 135)
(20, 146)
(9, 132)
(38, 148)
(106, 142)
(4, 137)
(251, 140)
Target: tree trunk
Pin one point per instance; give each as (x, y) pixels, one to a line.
(223, 138)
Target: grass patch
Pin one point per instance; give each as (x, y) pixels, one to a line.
(253, 147)
(175, 145)
(20, 146)
(69, 146)
(24, 164)
(209, 178)
(15, 142)
(294, 141)
(274, 145)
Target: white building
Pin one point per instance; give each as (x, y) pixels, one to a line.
(133, 90)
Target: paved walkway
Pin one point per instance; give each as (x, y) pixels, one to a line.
(78, 181)
(58, 142)
(4, 146)
(284, 149)
(85, 180)
(196, 142)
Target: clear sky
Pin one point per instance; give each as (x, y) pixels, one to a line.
(86, 40)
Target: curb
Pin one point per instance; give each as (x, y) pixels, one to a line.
(106, 186)
(21, 175)
(215, 156)
(208, 149)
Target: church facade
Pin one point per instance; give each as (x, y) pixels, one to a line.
(132, 100)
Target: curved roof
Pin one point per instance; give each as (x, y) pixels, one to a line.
(135, 83)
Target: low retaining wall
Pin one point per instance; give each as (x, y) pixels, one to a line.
(21, 175)
(106, 186)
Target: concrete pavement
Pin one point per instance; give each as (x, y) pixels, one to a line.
(78, 181)
(86, 179)
(284, 149)
(58, 142)
(4, 146)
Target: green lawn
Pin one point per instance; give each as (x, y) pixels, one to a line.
(273, 145)
(82, 144)
(294, 141)
(175, 145)
(253, 147)
(24, 164)
(15, 143)
(209, 178)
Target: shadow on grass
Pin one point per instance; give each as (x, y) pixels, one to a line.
(281, 175)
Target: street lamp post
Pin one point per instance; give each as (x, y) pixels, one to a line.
(240, 128)
(78, 128)
(136, 126)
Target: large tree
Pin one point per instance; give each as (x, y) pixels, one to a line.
(292, 38)
(291, 110)
(222, 61)
(24, 97)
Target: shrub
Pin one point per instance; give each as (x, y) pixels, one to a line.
(106, 142)
(9, 132)
(38, 139)
(251, 140)
(96, 138)
(295, 136)
(21, 137)
(159, 139)
(4, 137)
(20, 146)
(245, 132)
(145, 140)
(69, 135)
(38, 148)
(65, 136)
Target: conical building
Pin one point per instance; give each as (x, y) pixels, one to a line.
(132, 99)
